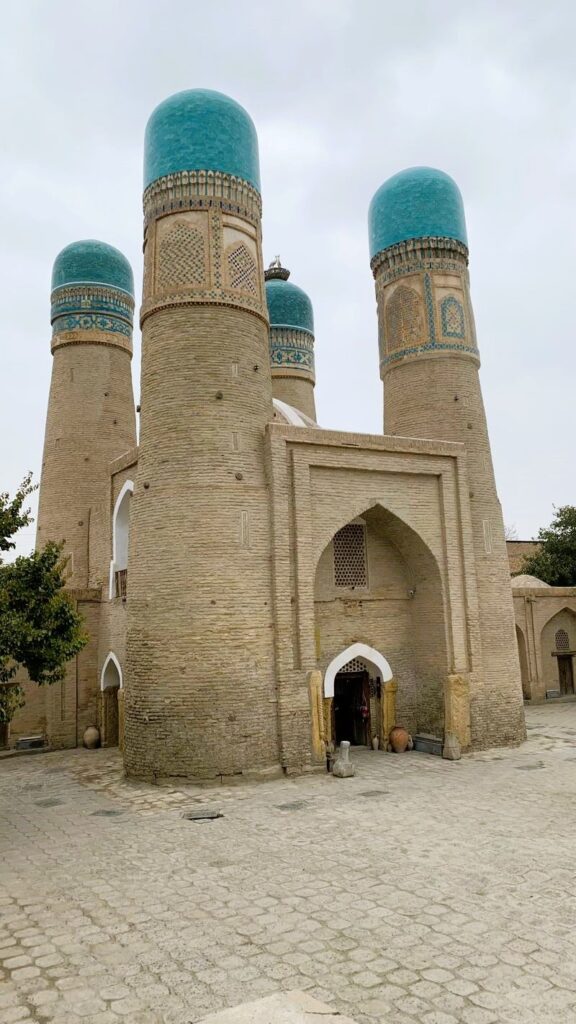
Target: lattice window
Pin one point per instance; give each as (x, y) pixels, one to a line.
(403, 315)
(182, 258)
(242, 269)
(350, 569)
(452, 317)
(355, 665)
(562, 640)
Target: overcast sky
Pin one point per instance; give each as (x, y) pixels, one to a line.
(343, 95)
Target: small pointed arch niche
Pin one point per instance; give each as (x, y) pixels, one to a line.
(120, 531)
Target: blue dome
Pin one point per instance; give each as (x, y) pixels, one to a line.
(419, 202)
(289, 306)
(201, 130)
(92, 262)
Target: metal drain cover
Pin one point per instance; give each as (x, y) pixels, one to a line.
(50, 801)
(202, 814)
(294, 805)
(105, 814)
(528, 767)
(371, 794)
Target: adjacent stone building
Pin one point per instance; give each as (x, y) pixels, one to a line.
(258, 587)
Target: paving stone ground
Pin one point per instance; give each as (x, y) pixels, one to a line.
(419, 891)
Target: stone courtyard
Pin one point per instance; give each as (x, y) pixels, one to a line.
(419, 891)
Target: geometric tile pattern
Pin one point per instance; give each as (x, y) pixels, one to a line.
(292, 349)
(181, 258)
(242, 269)
(452, 318)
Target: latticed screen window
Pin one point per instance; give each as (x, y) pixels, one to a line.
(350, 568)
(562, 641)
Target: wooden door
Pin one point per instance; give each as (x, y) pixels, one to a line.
(566, 674)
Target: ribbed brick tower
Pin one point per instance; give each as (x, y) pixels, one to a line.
(200, 681)
(91, 418)
(291, 340)
(429, 366)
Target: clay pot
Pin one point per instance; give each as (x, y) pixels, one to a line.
(375, 743)
(399, 739)
(91, 738)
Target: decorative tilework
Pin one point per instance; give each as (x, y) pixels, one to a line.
(91, 322)
(452, 318)
(182, 258)
(201, 130)
(87, 299)
(291, 349)
(429, 303)
(86, 308)
(241, 269)
(202, 190)
(434, 347)
(403, 318)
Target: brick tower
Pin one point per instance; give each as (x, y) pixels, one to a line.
(429, 366)
(200, 681)
(91, 417)
(291, 340)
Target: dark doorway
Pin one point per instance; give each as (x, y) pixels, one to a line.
(4, 731)
(352, 708)
(565, 674)
(110, 716)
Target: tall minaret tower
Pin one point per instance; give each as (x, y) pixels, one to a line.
(91, 417)
(291, 340)
(429, 366)
(200, 680)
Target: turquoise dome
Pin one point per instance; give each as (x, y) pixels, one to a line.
(92, 262)
(289, 306)
(201, 130)
(420, 202)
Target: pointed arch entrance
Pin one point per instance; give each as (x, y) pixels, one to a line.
(110, 685)
(354, 680)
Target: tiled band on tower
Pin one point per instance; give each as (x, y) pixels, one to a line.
(200, 681)
(429, 367)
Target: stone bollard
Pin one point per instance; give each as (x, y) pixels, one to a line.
(343, 767)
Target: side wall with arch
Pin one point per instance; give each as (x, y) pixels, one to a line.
(540, 612)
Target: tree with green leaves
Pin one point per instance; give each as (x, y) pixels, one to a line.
(555, 560)
(40, 630)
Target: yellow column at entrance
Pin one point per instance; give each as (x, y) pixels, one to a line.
(121, 719)
(387, 711)
(457, 709)
(315, 684)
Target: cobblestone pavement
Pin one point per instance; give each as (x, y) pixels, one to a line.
(420, 891)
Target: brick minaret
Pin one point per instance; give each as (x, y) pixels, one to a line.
(291, 340)
(429, 366)
(200, 684)
(91, 417)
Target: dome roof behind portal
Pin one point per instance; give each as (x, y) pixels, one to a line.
(201, 130)
(288, 305)
(419, 202)
(92, 262)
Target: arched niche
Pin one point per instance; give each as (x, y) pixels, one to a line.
(110, 685)
(557, 644)
(120, 531)
(395, 604)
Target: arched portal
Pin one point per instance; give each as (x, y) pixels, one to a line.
(378, 584)
(110, 684)
(558, 646)
(526, 687)
(120, 528)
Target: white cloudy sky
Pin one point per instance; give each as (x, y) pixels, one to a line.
(343, 93)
